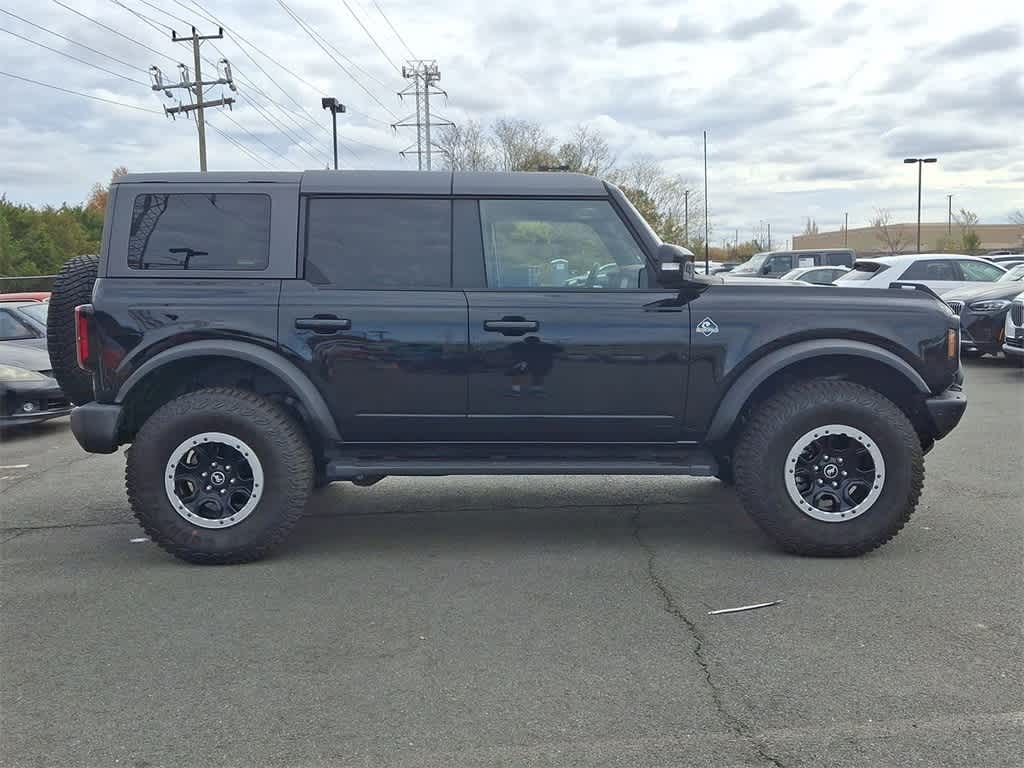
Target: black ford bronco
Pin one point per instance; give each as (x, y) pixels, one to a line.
(254, 336)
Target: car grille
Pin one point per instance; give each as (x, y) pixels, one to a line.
(1017, 312)
(1015, 342)
(956, 306)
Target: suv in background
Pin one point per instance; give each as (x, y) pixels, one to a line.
(1013, 344)
(778, 263)
(941, 272)
(254, 335)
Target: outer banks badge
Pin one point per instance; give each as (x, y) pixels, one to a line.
(707, 326)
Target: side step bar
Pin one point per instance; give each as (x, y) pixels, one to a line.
(698, 465)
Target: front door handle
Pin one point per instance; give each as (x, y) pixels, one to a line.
(323, 324)
(510, 327)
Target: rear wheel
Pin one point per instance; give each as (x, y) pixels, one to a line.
(72, 286)
(219, 476)
(829, 468)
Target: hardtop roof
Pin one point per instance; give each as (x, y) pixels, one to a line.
(395, 182)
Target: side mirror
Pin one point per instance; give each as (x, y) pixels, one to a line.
(675, 266)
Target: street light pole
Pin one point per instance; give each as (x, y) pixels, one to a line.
(949, 220)
(846, 229)
(920, 163)
(686, 218)
(331, 103)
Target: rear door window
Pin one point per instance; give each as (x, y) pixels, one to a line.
(838, 259)
(12, 328)
(214, 231)
(937, 270)
(979, 271)
(379, 243)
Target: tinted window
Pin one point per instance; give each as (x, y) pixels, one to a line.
(838, 259)
(862, 270)
(821, 276)
(579, 244)
(37, 311)
(380, 243)
(979, 271)
(201, 231)
(12, 328)
(781, 263)
(936, 269)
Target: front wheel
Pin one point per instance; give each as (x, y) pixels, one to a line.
(829, 468)
(219, 475)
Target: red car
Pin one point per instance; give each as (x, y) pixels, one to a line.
(26, 296)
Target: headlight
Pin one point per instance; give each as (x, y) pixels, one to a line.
(13, 373)
(989, 306)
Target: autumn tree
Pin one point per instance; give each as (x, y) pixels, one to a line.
(98, 197)
(586, 151)
(893, 237)
(969, 238)
(466, 147)
(520, 145)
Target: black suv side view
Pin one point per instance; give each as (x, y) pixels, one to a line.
(253, 336)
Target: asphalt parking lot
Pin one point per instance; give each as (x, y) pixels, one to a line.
(517, 622)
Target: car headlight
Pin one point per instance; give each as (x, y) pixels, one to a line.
(13, 373)
(989, 306)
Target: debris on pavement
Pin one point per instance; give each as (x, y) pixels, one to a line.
(753, 607)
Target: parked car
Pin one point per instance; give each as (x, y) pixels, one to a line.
(816, 275)
(1013, 331)
(394, 337)
(777, 263)
(26, 296)
(28, 392)
(23, 322)
(982, 310)
(725, 266)
(941, 272)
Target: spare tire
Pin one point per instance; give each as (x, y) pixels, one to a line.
(73, 286)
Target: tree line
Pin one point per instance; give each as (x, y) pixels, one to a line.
(37, 241)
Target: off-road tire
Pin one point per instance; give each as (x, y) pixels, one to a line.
(774, 428)
(273, 434)
(72, 286)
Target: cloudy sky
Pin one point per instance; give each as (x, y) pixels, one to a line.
(809, 106)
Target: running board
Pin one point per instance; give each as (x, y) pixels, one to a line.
(699, 464)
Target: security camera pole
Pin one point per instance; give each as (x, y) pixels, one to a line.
(336, 107)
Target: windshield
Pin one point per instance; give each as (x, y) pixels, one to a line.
(752, 265)
(36, 311)
(1014, 275)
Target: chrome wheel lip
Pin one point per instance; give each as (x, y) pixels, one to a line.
(806, 440)
(224, 439)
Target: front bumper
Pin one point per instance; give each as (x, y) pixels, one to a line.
(95, 427)
(29, 402)
(1014, 347)
(946, 410)
(982, 331)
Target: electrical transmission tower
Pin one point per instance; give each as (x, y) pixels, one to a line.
(195, 88)
(424, 75)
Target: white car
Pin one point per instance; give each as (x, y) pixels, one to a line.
(816, 275)
(942, 272)
(1013, 339)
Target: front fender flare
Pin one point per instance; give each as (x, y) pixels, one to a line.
(312, 401)
(730, 406)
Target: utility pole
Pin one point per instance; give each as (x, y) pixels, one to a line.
(424, 75)
(949, 220)
(769, 235)
(686, 217)
(846, 229)
(195, 87)
(707, 245)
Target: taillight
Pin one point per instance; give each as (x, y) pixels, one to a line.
(82, 335)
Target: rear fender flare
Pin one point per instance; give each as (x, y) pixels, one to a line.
(730, 406)
(307, 394)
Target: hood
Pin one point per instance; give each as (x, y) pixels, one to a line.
(987, 291)
(23, 356)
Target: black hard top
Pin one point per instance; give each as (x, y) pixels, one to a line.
(395, 182)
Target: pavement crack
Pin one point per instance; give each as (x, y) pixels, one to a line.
(698, 643)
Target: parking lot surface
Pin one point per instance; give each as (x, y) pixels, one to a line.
(517, 622)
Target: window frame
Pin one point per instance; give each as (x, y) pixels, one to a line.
(282, 261)
(303, 237)
(646, 272)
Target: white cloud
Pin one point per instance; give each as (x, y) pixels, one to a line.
(809, 106)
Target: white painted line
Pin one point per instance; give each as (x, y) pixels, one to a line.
(15, 466)
(138, 541)
(753, 607)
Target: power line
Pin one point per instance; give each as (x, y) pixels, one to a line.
(241, 127)
(372, 38)
(148, 20)
(74, 58)
(322, 47)
(392, 27)
(73, 42)
(241, 146)
(114, 31)
(79, 93)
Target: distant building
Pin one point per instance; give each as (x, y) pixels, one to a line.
(934, 237)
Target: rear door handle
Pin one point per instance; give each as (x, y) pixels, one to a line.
(323, 324)
(511, 327)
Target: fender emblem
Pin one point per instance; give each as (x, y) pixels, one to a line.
(707, 326)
